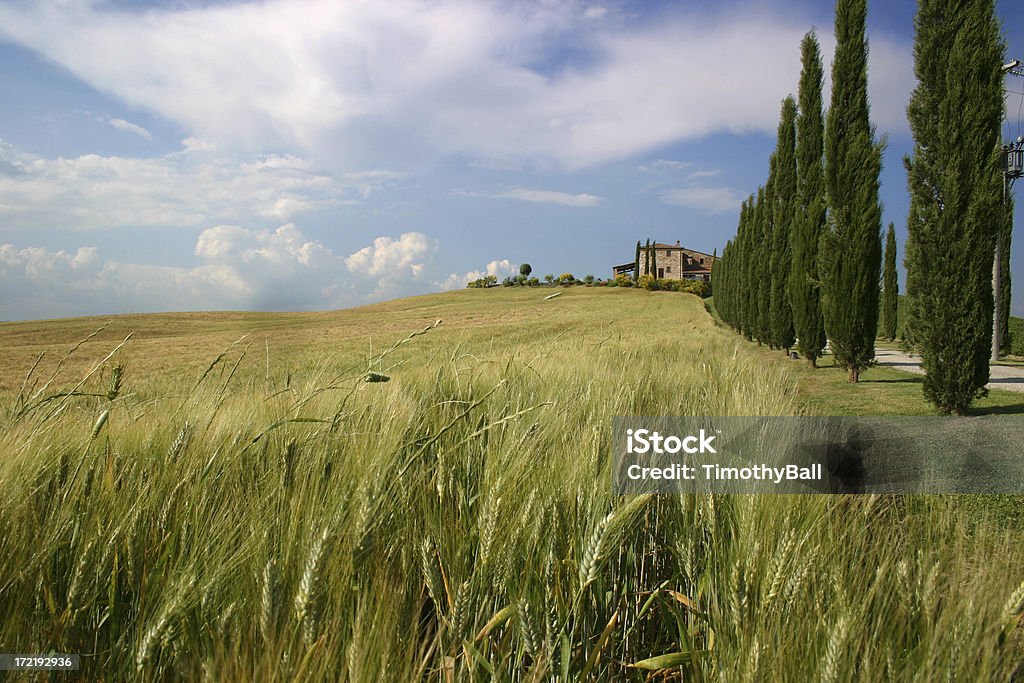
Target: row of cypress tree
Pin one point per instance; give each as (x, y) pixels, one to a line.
(807, 254)
(650, 260)
(814, 242)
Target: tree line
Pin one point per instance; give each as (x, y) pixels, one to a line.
(805, 266)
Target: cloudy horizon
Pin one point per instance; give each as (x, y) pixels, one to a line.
(309, 155)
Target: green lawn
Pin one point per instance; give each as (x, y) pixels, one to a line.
(881, 390)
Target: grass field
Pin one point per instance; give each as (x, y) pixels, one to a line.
(268, 509)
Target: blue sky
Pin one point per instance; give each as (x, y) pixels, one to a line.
(307, 155)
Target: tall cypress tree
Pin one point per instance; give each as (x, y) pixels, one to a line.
(1005, 309)
(785, 201)
(647, 257)
(809, 221)
(850, 257)
(747, 278)
(908, 336)
(636, 262)
(955, 183)
(721, 286)
(654, 259)
(758, 262)
(890, 286)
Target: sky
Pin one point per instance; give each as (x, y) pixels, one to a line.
(312, 155)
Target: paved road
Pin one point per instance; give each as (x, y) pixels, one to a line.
(1002, 377)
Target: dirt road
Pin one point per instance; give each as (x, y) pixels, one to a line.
(1002, 377)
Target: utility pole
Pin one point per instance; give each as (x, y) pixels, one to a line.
(1013, 155)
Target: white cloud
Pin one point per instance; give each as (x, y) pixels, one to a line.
(662, 165)
(498, 268)
(550, 197)
(129, 127)
(708, 200)
(704, 174)
(410, 81)
(188, 188)
(387, 257)
(537, 196)
(237, 268)
(393, 266)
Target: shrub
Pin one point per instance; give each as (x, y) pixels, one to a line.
(566, 278)
(508, 282)
(698, 287)
(533, 282)
(486, 281)
(623, 280)
(589, 279)
(549, 278)
(647, 281)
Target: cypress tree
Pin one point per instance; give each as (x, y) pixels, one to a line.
(745, 289)
(809, 221)
(757, 266)
(850, 257)
(711, 268)
(910, 301)
(890, 286)
(654, 259)
(955, 183)
(1005, 309)
(636, 262)
(785, 199)
(720, 293)
(647, 257)
(730, 257)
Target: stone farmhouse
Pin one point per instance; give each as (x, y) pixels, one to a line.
(673, 261)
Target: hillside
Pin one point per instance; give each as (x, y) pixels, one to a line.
(281, 513)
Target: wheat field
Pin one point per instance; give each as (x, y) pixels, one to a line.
(420, 490)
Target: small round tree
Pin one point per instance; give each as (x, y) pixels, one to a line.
(525, 270)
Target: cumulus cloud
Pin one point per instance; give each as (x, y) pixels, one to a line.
(41, 283)
(537, 196)
(129, 127)
(187, 188)
(414, 80)
(388, 257)
(498, 268)
(238, 268)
